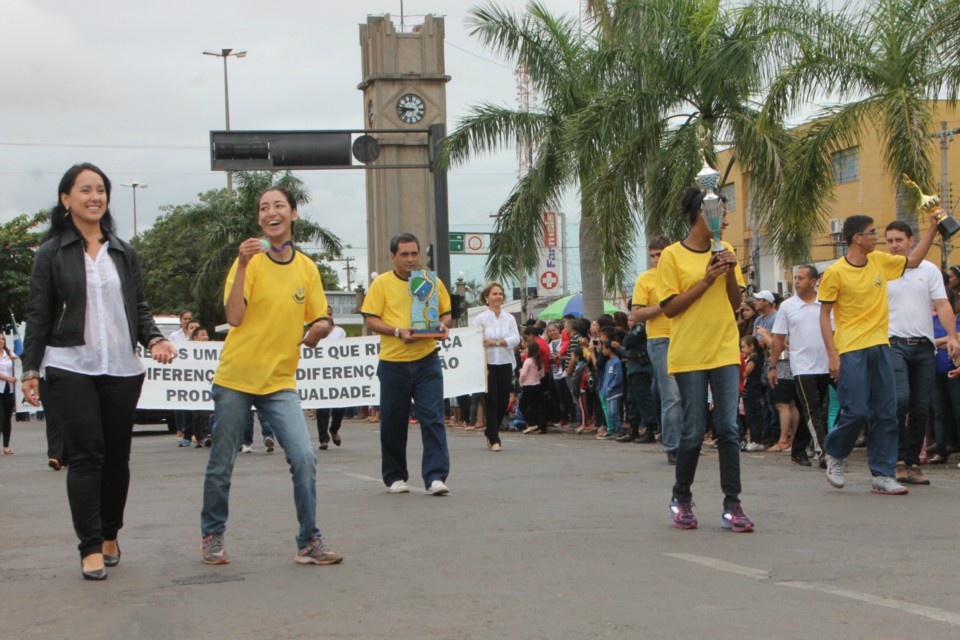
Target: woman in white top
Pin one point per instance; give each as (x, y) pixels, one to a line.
(500, 337)
(85, 315)
(7, 380)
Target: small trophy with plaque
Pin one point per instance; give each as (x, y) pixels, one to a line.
(425, 310)
(947, 225)
(707, 181)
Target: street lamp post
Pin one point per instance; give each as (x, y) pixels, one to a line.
(135, 186)
(226, 53)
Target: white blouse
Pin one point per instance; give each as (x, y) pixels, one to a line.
(106, 334)
(6, 368)
(502, 327)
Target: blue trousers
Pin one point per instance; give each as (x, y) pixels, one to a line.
(422, 382)
(866, 393)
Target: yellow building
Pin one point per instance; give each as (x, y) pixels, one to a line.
(862, 187)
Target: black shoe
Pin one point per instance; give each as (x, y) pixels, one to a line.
(112, 561)
(801, 460)
(96, 574)
(324, 445)
(627, 437)
(646, 437)
(671, 457)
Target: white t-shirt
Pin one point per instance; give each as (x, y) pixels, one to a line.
(801, 323)
(911, 301)
(336, 333)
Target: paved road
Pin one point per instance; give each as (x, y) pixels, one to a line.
(558, 536)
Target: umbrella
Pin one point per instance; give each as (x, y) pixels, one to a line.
(571, 305)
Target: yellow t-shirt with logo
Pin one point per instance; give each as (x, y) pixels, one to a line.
(645, 295)
(859, 294)
(389, 299)
(704, 336)
(261, 355)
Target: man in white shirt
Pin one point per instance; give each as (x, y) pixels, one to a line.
(911, 299)
(799, 318)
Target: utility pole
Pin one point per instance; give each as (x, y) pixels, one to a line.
(348, 269)
(946, 137)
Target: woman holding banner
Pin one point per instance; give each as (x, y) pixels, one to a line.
(85, 315)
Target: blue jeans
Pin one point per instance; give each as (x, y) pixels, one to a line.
(725, 384)
(914, 367)
(282, 409)
(265, 429)
(422, 382)
(864, 392)
(671, 414)
(614, 421)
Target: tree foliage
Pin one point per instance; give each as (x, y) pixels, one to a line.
(19, 239)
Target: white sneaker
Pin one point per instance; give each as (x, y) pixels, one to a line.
(753, 446)
(269, 443)
(437, 488)
(399, 487)
(836, 468)
(246, 448)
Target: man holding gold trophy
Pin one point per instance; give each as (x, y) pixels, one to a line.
(860, 359)
(410, 309)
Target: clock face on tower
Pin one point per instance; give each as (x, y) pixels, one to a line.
(411, 108)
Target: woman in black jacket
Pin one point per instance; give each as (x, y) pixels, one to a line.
(85, 315)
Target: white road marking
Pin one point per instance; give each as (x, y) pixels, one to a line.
(923, 611)
(722, 565)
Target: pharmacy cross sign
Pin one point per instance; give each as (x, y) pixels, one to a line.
(549, 280)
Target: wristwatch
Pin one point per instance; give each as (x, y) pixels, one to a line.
(396, 332)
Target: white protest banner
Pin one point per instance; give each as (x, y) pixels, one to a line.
(337, 373)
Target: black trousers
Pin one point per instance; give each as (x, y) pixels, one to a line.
(328, 423)
(7, 401)
(97, 424)
(531, 400)
(54, 424)
(813, 399)
(499, 385)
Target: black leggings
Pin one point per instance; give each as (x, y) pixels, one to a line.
(97, 413)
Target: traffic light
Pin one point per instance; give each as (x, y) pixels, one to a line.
(430, 257)
(272, 150)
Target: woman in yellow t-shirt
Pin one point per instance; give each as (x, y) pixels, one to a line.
(699, 291)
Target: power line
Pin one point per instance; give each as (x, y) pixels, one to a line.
(103, 146)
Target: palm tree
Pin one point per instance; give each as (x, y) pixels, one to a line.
(563, 63)
(884, 66)
(690, 76)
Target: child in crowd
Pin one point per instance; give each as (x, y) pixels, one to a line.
(531, 375)
(752, 391)
(612, 391)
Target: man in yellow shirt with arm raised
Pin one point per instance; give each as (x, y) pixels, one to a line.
(854, 288)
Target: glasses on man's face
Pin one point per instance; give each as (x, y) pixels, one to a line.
(867, 233)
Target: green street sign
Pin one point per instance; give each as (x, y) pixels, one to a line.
(456, 242)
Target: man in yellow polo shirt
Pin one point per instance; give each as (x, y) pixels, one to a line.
(409, 370)
(854, 288)
(646, 308)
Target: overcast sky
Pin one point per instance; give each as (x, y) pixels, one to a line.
(125, 85)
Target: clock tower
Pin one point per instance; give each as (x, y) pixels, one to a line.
(404, 91)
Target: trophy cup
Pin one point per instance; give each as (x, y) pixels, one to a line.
(425, 310)
(707, 180)
(946, 224)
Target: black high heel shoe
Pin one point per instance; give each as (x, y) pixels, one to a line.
(96, 574)
(112, 561)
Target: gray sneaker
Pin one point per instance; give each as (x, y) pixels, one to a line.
(211, 549)
(888, 486)
(269, 443)
(836, 468)
(399, 486)
(317, 552)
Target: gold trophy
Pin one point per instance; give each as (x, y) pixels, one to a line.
(946, 224)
